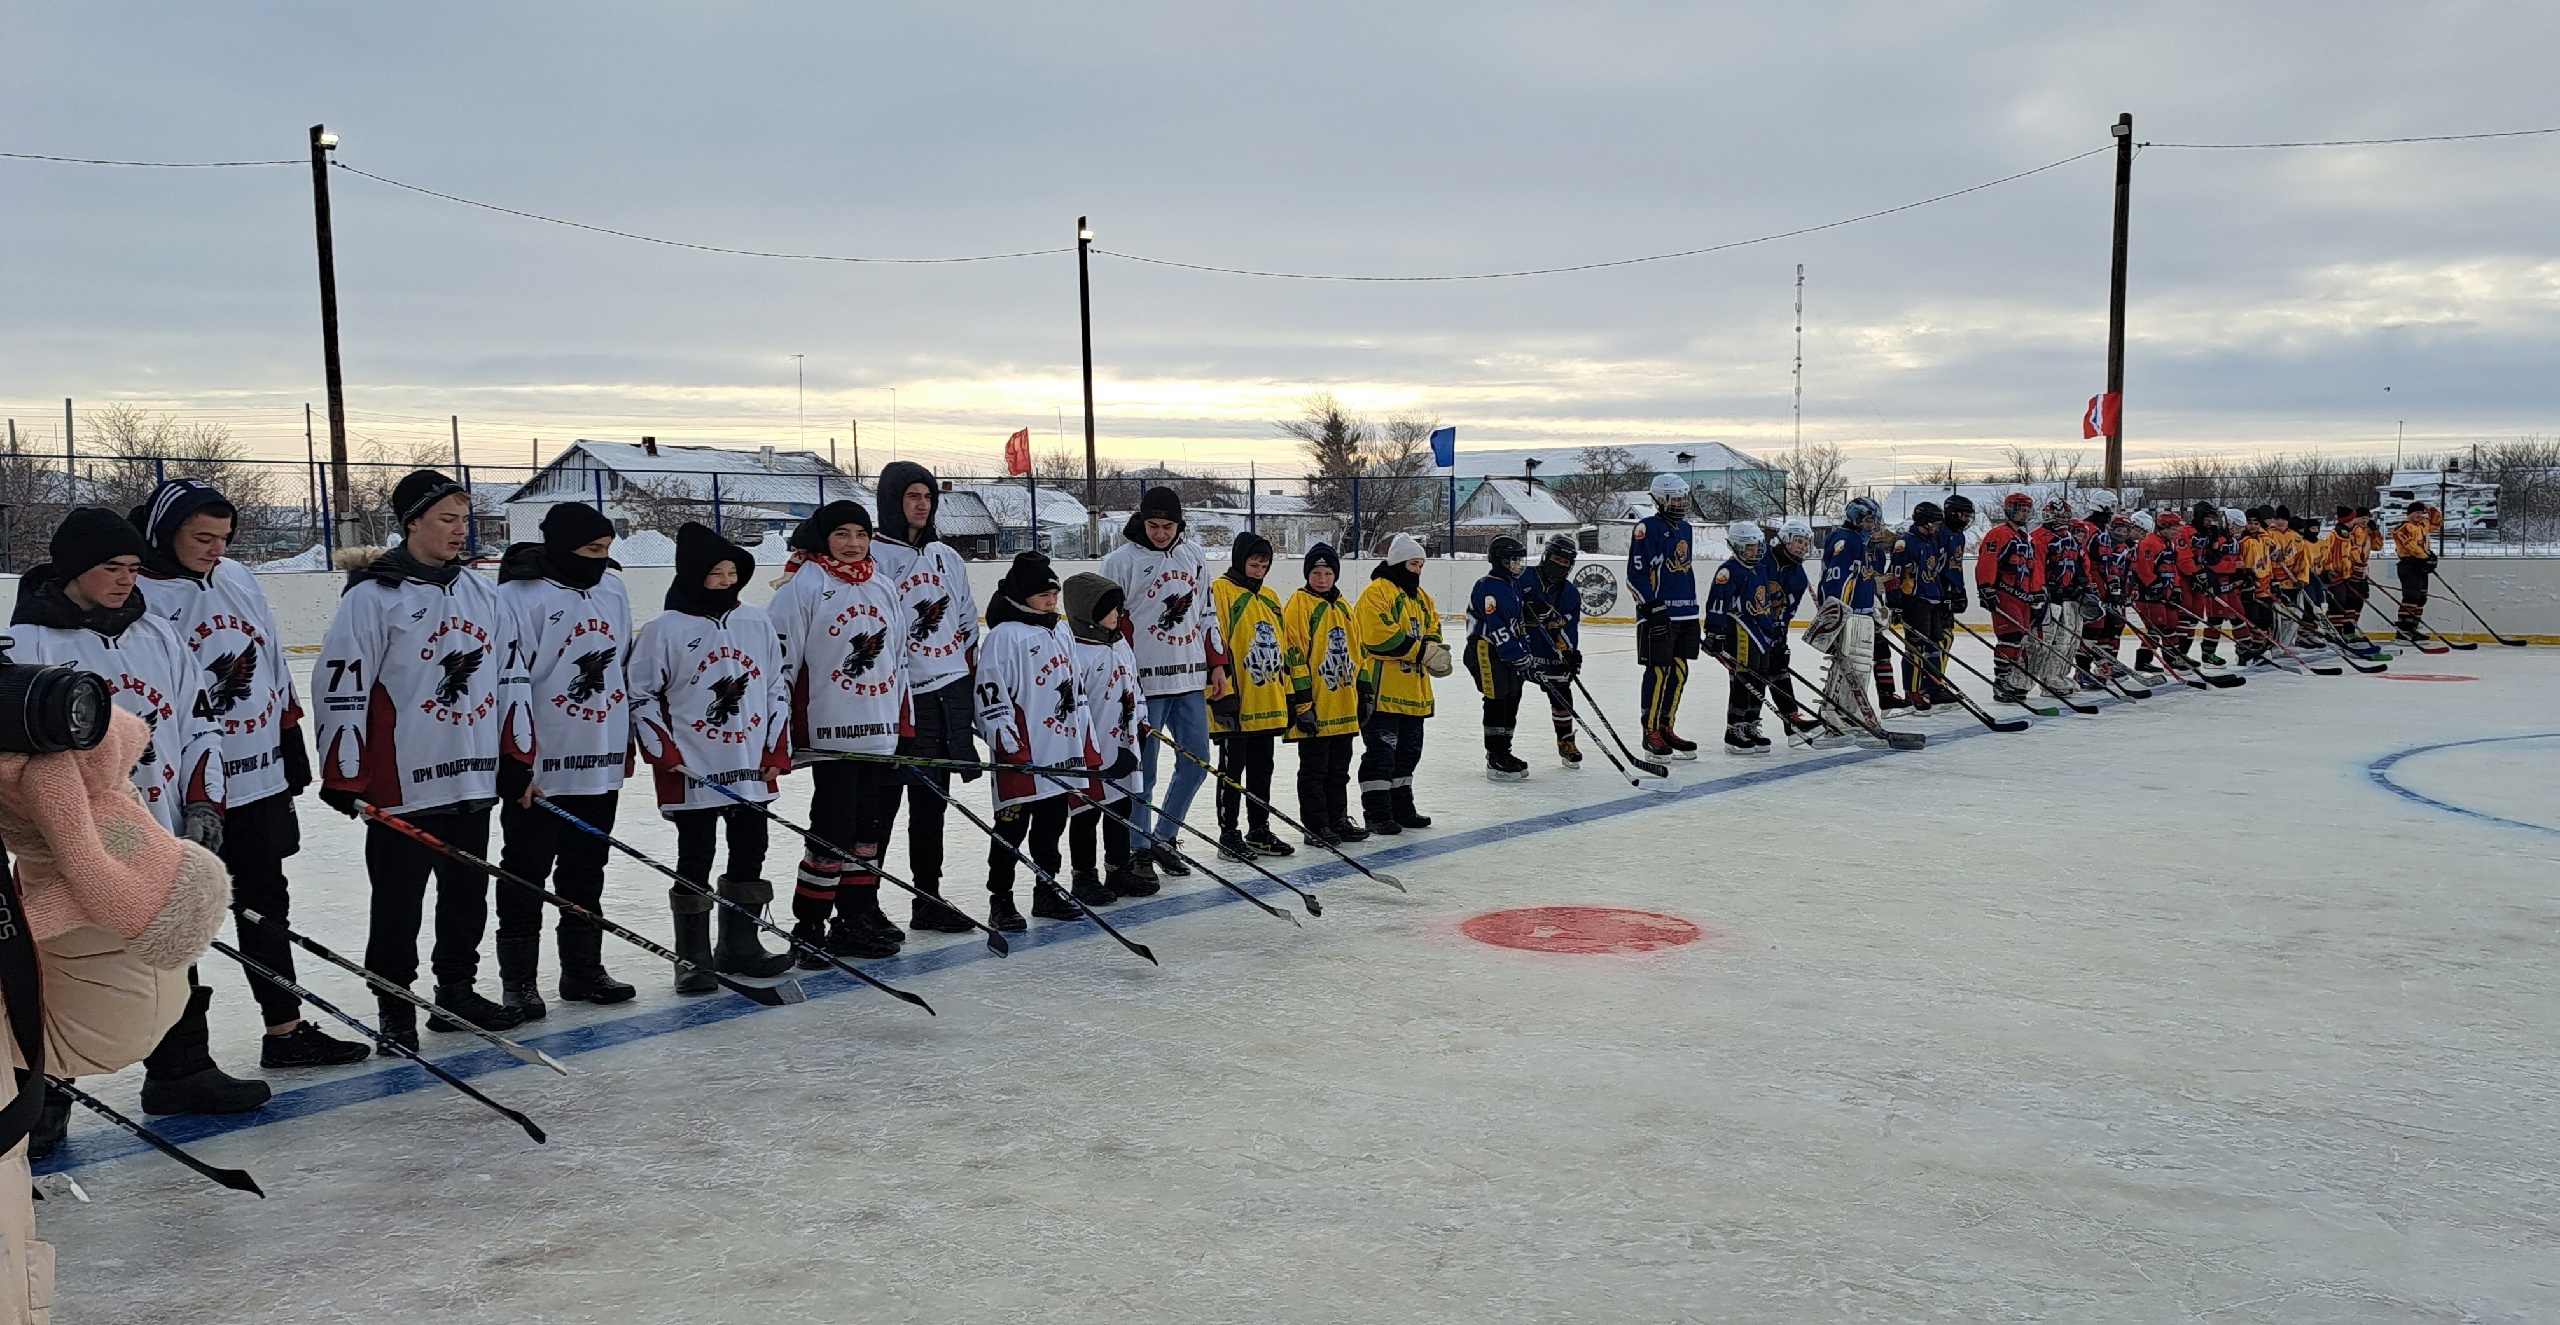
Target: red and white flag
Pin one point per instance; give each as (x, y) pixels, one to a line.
(2104, 416)
(1017, 453)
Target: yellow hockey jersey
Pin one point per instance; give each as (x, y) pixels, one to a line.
(1394, 625)
(1257, 662)
(1317, 631)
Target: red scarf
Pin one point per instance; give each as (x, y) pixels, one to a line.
(851, 572)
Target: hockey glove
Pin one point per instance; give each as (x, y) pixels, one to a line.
(1224, 711)
(1572, 663)
(2039, 600)
(515, 780)
(201, 823)
(1653, 631)
(294, 752)
(1960, 601)
(1302, 717)
(340, 799)
(2090, 603)
(1123, 766)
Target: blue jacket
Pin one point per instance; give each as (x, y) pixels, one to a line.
(1749, 604)
(1546, 612)
(1921, 566)
(1493, 615)
(1658, 567)
(1850, 568)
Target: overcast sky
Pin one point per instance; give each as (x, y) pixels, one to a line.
(2274, 294)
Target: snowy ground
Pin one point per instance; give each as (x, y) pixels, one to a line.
(2178, 1012)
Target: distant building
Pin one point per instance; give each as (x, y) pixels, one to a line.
(1008, 506)
(743, 494)
(1526, 511)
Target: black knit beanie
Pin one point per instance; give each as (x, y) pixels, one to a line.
(1030, 574)
(91, 537)
(1322, 554)
(811, 536)
(572, 525)
(420, 489)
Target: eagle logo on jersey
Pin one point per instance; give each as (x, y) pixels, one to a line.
(150, 749)
(928, 618)
(1066, 703)
(231, 676)
(727, 694)
(1336, 667)
(459, 668)
(1129, 711)
(1175, 609)
(1262, 660)
(590, 679)
(864, 651)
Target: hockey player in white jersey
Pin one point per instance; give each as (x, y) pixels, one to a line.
(843, 630)
(575, 623)
(1115, 720)
(1173, 629)
(421, 684)
(942, 647)
(248, 697)
(1031, 710)
(711, 696)
(83, 608)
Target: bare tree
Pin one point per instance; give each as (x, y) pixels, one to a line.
(1604, 471)
(1398, 493)
(2527, 472)
(1335, 442)
(138, 449)
(1807, 479)
(665, 504)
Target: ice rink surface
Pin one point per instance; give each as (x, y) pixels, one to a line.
(2229, 1006)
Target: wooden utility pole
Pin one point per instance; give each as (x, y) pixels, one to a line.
(350, 532)
(2115, 298)
(1084, 316)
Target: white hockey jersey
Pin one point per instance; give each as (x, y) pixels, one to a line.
(419, 685)
(154, 678)
(248, 693)
(1031, 708)
(1171, 624)
(575, 641)
(717, 694)
(1115, 713)
(942, 613)
(842, 642)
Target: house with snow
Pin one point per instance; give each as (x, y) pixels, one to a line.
(1522, 508)
(645, 484)
(1061, 526)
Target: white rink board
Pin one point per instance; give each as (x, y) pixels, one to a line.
(2173, 1012)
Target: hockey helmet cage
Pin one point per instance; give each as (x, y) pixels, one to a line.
(1860, 510)
(1562, 545)
(1742, 533)
(1506, 554)
(1666, 489)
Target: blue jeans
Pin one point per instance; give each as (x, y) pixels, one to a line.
(1185, 718)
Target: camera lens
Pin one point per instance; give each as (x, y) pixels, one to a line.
(46, 710)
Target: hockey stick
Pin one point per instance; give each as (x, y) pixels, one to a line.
(758, 921)
(1276, 812)
(1045, 877)
(1649, 767)
(773, 997)
(995, 941)
(1552, 622)
(2316, 669)
(391, 1043)
(386, 985)
(954, 765)
(2106, 669)
(1314, 908)
(1865, 716)
(2464, 645)
(229, 1177)
(237, 1180)
(2028, 672)
(2315, 625)
(1898, 641)
(2202, 679)
(2475, 615)
(1795, 721)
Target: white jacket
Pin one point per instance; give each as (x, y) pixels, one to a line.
(843, 644)
(1171, 624)
(420, 686)
(1031, 708)
(942, 614)
(248, 693)
(716, 693)
(1115, 712)
(154, 678)
(575, 641)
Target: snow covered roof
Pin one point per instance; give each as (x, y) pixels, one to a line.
(963, 515)
(1534, 506)
(1661, 458)
(789, 478)
(1010, 506)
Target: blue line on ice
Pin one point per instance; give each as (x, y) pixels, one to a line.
(97, 1146)
(2380, 771)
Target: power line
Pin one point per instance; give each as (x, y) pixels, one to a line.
(1621, 262)
(2362, 142)
(679, 243)
(155, 165)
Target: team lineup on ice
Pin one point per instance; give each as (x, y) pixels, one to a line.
(1957, 999)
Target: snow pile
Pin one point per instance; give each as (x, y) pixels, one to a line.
(312, 558)
(648, 547)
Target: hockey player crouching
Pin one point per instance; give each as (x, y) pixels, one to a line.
(843, 627)
(1551, 622)
(1247, 720)
(84, 609)
(575, 623)
(221, 615)
(1324, 699)
(710, 696)
(1498, 658)
(421, 681)
(1115, 717)
(1029, 709)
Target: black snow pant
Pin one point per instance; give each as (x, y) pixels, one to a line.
(1088, 824)
(399, 868)
(1499, 683)
(1246, 757)
(698, 842)
(1035, 826)
(1390, 749)
(2413, 593)
(1926, 626)
(537, 842)
(944, 719)
(852, 805)
(256, 839)
(1324, 779)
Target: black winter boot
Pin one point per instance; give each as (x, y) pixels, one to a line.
(1406, 816)
(465, 1002)
(858, 898)
(1049, 904)
(851, 938)
(1318, 821)
(1166, 859)
(1231, 846)
(1002, 916)
(811, 945)
(740, 951)
(520, 977)
(693, 941)
(305, 1046)
(583, 978)
(398, 1019)
(936, 916)
(53, 1123)
(1379, 809)
(1266, 843)
(1092, 891)
(180, 1075)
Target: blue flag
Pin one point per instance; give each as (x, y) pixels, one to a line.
(1444, 447)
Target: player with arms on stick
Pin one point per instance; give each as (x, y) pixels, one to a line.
(1247, 720)
(1665, 586)
(1499, 658)
(1551, 618)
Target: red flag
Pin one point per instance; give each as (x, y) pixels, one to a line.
(2104, 416)
(1017, 453)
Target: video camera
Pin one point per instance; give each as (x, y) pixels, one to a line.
(49, 709)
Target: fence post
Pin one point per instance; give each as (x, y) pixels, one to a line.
(159, 470)
(328, 526)
(1357, 548)
(1252, 499)
(716, 526)
(1452, 549)
(470, 525)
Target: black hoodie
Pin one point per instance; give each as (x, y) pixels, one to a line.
(895, 478)
(397, 566)
(41, 602)
(698, 549)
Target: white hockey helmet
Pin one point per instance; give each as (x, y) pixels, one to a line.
(2141, 520)
(1742, 533)
(1796, 527)
(1667, 489)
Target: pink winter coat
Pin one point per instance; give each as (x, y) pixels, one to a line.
(119, 909)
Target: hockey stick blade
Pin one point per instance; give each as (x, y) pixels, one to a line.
(1274, 810)
(237, 1180)
(521, 1053)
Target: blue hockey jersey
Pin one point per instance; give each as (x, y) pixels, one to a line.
(1658, 568)
(1493, 615)
(1850, 568)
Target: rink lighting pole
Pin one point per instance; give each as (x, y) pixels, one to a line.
(2123, 131)
(324, 142)
(1084, 316)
